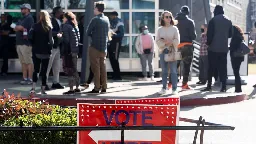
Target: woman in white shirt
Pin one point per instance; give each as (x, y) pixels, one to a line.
(168, 36)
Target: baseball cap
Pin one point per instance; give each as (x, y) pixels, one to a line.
(25, 5)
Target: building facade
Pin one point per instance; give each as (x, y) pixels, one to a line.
(134, 13)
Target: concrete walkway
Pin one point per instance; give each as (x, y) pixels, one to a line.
(132, 88)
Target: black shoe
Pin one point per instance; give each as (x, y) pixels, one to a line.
(223, 89)
(103, 91)
(57, 86)
(47, 88)
(201, 83)
(206, 89)
(254, 86)
(238, 91)
(117, 78)
(77, 90)
(94, 92)
(69, 92)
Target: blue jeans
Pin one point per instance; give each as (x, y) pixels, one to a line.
(173, 70)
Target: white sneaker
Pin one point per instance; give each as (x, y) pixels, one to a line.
(152, 78)
(175, 92)
(163, 91)
(145, 79)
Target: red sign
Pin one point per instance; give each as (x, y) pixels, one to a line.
(132, 115)
(151, 101)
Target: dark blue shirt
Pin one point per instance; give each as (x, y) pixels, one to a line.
(98, 30)
(27, 22)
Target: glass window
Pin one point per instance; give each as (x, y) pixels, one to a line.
(50, 4)
(143, 4)
(134, 52)
(15, 4)
(76, 4)
(124, 16)
(143, 18)
(125, 48)
(110, 4)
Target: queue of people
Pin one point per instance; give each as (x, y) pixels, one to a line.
(42, 45)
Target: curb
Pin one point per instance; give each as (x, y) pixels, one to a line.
(183, 103)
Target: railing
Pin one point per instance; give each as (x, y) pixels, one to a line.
(200, 126)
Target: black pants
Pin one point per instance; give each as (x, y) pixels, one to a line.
(219, 61)
(5, 56)
(40, 66)
(187, 57)
(113, 51)
(73, 77)
(236, 63)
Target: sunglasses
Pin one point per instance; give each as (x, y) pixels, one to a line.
(170, 17)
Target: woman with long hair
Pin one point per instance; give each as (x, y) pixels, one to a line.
(237, 39)
(41, 38)
(70, 50)
(168, 38)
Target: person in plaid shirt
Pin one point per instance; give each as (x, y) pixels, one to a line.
(203, 59)
(98, 30)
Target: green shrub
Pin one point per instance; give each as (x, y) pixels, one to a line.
(14, 110)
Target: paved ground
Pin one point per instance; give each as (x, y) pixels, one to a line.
(130, 88)
(242, 115)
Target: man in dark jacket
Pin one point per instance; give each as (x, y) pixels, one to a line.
(219, 30)
(54, 62)
(117, 26)
(187, 31)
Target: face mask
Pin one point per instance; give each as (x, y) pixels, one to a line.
(145, 32)
(202, 30)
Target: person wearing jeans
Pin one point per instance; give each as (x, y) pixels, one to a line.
(54, 62)
(168, 37)
(145, 48)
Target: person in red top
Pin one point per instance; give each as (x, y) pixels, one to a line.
(203, 59)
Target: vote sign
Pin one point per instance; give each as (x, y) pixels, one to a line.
(131, 115)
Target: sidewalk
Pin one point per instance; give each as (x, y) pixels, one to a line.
(131, 88)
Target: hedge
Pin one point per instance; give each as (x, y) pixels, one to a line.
(14, 110)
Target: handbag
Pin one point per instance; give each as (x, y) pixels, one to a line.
(147, 51)
(172, 55)
(242, 50)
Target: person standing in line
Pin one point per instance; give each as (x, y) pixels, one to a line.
(42, 42)
(203, 59)
(145, 46)
(24, 48)
(54, 62)
(219, 31)
(168, 36)
(187, 31)
(98, 30)
(237, 39)
(4, 32)
(70, 50)
(117, 26)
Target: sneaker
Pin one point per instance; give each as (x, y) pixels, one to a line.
(23, 82)
(77, 90)
(94, 92)
(57, 86)
(29, 82)
(70, 92)
(185, 87)
(254, 86)
(163, 91)
(85, 85)
(201, 83)
(169, 86)
(144, 79)
(43, 93)
(103, 91)
(175, 92)
(47, 88)
(152, 78)
(32, 91)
